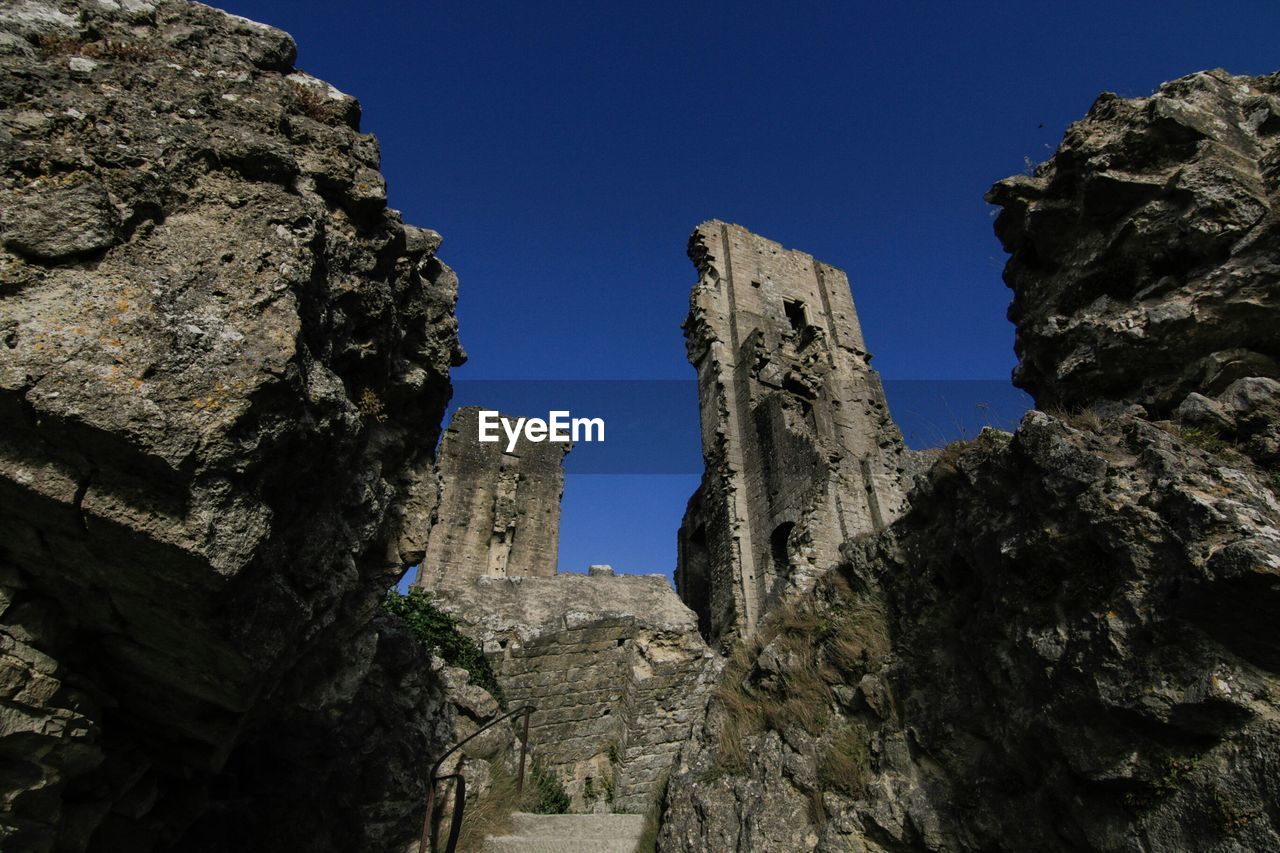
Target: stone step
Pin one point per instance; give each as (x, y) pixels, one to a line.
(569, 833)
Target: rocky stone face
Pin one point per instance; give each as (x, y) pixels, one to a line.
(1065, 641)
(1064, 644)
(224, 366)
(1144, 252)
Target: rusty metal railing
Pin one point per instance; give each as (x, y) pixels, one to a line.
(427, 844)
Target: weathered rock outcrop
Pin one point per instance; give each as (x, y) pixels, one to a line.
(1066, 640)
(1064, 644)
(1144, 263)
(225, 361)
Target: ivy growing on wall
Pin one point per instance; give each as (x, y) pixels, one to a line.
(438, 633)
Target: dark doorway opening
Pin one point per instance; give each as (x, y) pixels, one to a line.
(778, 546)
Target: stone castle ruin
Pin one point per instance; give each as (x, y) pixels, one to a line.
(801, 454)
(499, 512)
(613, 665)
(225, 364)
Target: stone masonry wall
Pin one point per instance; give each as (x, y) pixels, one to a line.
(498, 513)
(614, 666)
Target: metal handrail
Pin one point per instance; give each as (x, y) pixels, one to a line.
(428, 840)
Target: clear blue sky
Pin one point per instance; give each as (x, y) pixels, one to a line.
(565, 150)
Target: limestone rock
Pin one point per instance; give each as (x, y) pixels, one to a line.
(1144, 251)
(59, 218)
(224, 364)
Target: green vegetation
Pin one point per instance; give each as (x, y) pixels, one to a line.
(1084, 419)
(606, 792)
(1205, 439)
(108, 49)
(846, 765)
(314, 101)
(489, 814)
(1175, 775)
(1232, 818)
(551, 797)
(948, 460)
(438, 633)
(370, 406)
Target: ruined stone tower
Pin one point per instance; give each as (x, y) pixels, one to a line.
(614, 666)
(800, 451)
(499, 513)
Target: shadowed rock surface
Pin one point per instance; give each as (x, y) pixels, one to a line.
(1066, 641)
(225, 362)
(1070, 650)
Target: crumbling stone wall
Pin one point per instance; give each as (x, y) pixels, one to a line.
(800, 450)
(614, 667)
(498, 513)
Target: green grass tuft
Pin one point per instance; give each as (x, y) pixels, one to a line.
(549, 790)
(1205, 439)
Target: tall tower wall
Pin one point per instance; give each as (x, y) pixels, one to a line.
(800, 451)
(498, 513)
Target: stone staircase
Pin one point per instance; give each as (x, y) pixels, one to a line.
(569, 833)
